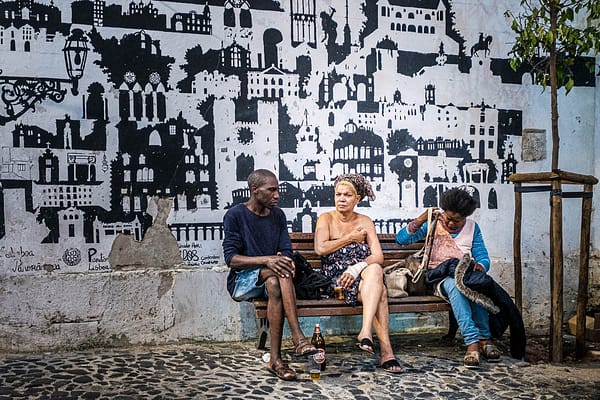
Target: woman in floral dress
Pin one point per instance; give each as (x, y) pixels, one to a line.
(351, 256)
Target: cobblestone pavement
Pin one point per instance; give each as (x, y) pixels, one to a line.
(236, 371)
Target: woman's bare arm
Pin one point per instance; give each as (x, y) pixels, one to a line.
(376, 256)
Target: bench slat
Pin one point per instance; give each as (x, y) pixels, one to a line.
(386, 247)
(346, 311)
(311, 255)
(262, 303)
(334, 307)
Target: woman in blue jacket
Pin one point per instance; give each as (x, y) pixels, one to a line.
(455, 235)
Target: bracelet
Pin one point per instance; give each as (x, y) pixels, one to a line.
(413, 227)
(356, 269)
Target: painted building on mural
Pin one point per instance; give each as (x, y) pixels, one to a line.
(367, 93)
(367, 98)
(181, 100)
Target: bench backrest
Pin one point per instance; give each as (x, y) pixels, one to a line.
(392, 251)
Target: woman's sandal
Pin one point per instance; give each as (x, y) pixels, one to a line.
(490, 352)
(471, 359)
(392, 366)
(366, 344)
(282, 371)
(304, 348)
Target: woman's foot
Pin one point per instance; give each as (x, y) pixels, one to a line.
(489, 351)
(471, 359)
(366, 344)
(391, 366)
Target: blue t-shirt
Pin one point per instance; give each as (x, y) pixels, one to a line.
(248, 234)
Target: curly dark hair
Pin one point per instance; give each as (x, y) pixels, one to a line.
(459, 201)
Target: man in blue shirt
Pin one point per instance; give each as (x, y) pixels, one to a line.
(258, 250)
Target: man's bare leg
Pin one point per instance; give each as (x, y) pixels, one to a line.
(281, 303)
(288, 296)
(275, 313)
(275, 316)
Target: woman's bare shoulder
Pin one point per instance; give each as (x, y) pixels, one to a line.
(363, 218)
(327, 215)
(325, 219)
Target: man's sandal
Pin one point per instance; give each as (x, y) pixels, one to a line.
(304, 348)
(490, 352)
(366, 345)
(471, 359)
(282, 371)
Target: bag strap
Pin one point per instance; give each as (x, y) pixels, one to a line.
(426, 249)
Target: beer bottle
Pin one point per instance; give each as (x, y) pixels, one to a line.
(319, 343)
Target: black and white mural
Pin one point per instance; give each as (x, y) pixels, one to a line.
(106, 105)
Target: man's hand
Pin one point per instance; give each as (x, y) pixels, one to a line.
(282, 266)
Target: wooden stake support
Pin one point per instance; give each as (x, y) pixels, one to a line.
(553, 182)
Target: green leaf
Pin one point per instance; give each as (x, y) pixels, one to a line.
(568, 13)
(514, 64)
(569, 85)
(534, 38)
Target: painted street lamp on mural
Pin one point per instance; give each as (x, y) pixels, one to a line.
(20, 94)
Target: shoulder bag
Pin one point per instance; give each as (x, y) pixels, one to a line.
(417, 263)
(310, 284)
(407, 277)
(396, 279)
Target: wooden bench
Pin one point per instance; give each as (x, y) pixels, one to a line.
(393, 252)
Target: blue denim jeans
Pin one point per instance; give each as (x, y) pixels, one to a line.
(247, 287)
(473, 320)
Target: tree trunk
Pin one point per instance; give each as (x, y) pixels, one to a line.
(553, 85)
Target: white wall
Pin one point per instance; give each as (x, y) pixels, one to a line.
(98, 242)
